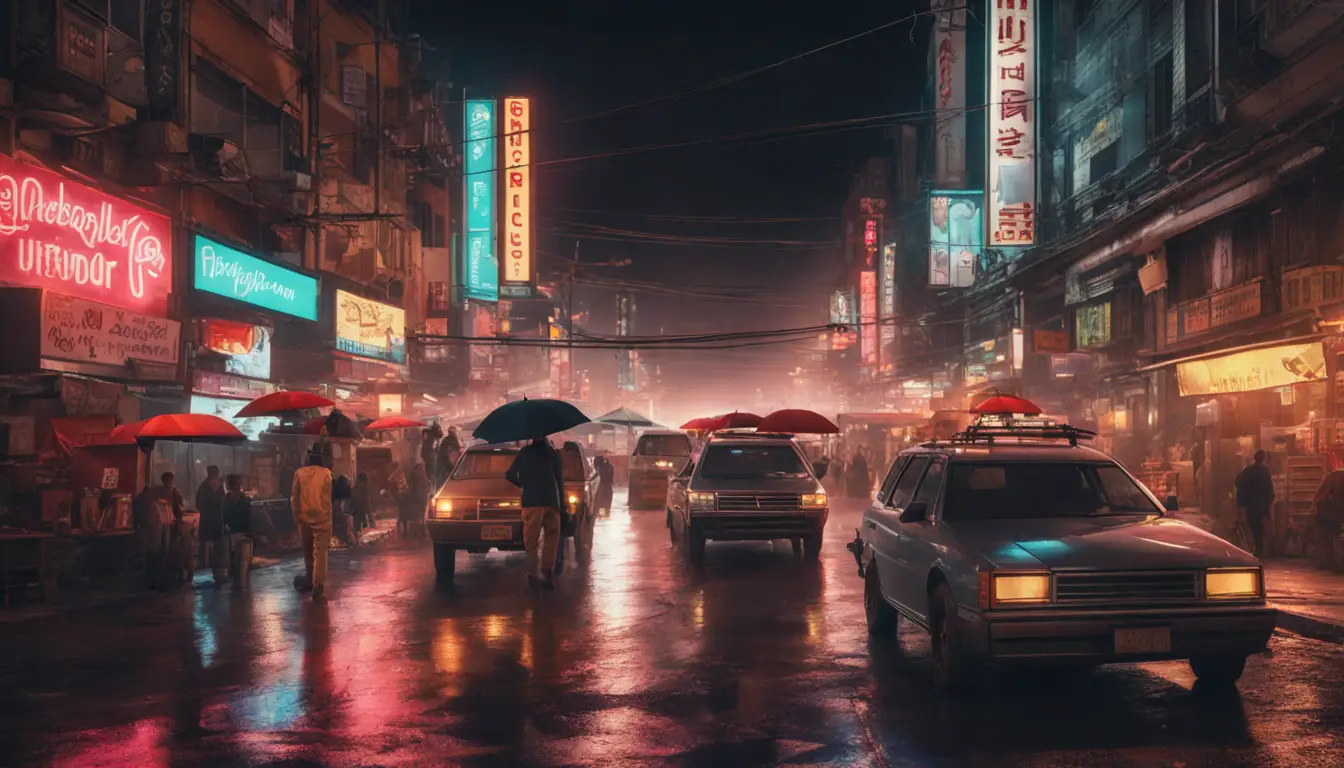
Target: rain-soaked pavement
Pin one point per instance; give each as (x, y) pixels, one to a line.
(756, 659)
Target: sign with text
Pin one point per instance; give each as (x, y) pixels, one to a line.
(949, 66)
(956, 236)
(369, 328)
(228, 272)
(246, 348)
(1252, 370)
(868, 316)
(1047, 342)
(1312, 287)
(1092, 325)
(482, 267)
(163, 57)
(517, 191)
(1012, 122)
(65, 237)
(90, 332)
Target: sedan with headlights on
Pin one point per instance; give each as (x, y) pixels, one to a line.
(1039, 549)
(477, 509)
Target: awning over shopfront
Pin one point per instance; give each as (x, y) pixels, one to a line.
(1251, 367)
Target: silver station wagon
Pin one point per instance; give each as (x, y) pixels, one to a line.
(1015, 543)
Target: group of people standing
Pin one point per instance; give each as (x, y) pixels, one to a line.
(224, 530)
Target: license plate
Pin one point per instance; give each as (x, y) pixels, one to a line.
(496, 532)
(1143, 640)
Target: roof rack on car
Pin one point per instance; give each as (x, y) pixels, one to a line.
(735, 435)
(986, 433)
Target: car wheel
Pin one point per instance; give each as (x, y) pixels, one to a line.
(1218, 670)
(694, 542)
(812, 546)
(952, 665)
(883, 620)
(445, 561)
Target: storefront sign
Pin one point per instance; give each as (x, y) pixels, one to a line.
(1312, 287)
(81, 44)
(949, 60)
(482, 267)
(842, 308)
(369, 328)
(956, 236)
(1092, 324)
(518, 191)
(163, 58)
(1235, 304)
(1012, 122)
(228, 272)
(68, 238)
(246, 348)
(229, 385)
(1045, 342)
(868, 316)
(228, 409)
(1070, 365)
(89, 332)
(1194, 317)
(1256, 369)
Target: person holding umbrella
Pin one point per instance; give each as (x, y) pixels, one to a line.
(538, 470)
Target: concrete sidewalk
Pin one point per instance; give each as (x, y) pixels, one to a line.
(1310, 602)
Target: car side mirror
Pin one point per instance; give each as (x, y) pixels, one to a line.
(1172, 505)
(916, 512)
(819, 469)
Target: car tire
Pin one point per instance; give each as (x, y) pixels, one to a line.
(1218, 670)
(695, 545)
(445, 562)
(953, 670)
(883, 620)
(812, 547)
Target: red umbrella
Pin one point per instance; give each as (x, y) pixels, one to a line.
(1006, 405)
(183, 427)
(702, 424)
(393, 422)
(738, 420)
(797, 421)
(283, 402)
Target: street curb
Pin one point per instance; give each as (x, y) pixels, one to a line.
(1310, 626)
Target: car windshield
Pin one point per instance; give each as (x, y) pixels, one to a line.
(1028, 490)
(476, 464)
(749, 461)
(663, 445)
(573, 461)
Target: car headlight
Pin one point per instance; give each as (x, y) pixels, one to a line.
(1021, 588)
(449, 509)
(573, 499)
(662, 464)
(1233, 583)
(814, 501)
(701, 500)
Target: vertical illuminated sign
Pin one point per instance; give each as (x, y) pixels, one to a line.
(482, 268)
(517, 191)
(1011, 203)
(956, 236)
(868, 316)
(888, 335)
(949, 67)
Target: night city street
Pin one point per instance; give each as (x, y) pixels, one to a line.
(635, 659)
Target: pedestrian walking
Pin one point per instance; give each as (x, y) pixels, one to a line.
(237, 508)
(210, 528)
(429, 454)
(1255, 494)
(310, 499)
(450, 447)
(1329, 506)
(859, 485)
(538, 470)
(606, 477)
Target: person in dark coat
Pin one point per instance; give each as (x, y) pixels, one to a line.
(606, 476)
(1255, 494)
(429, 456)
(450, 447)
(859, 485)
(237, 509)
(539, 471)
(210, 506)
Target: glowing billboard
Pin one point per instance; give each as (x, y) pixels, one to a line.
(482, 267)
(228, 272)
(517, 191)
(1254, 369)
(868, 316)
(956, 236)
(370, 328)
(1012, 122)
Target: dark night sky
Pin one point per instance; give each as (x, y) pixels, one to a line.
(574, 59)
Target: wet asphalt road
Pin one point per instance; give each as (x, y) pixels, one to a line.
(756, 659)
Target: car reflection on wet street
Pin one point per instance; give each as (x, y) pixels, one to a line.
(756, 658)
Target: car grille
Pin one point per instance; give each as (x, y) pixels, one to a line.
(494, 509)
(1126, 587)
(764, 502)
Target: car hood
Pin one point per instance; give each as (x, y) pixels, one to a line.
(480, 488)
(1106, 543)
(757, 485)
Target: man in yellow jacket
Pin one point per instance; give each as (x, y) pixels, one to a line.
(310, 500)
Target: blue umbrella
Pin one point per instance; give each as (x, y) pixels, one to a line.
(527, 419)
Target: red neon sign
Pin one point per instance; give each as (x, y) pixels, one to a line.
(58, 234)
